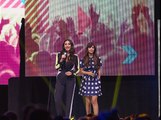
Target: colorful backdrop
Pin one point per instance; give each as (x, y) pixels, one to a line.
(11, 13)
(123, 32)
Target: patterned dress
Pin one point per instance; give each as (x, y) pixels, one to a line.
(90, 86)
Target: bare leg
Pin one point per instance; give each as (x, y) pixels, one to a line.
(88, 104)
(95, 105)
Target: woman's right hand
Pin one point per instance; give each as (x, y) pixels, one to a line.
(62, 57)
(91, 74)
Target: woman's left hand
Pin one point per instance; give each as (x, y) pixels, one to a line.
(68, 73)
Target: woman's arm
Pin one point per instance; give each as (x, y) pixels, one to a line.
(86, 72)
(77, 66)
(75, 70)
(99, 69)
(59, 61)
(99, 73)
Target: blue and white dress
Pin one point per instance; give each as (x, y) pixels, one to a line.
(90, 86)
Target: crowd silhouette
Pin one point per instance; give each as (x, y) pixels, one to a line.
(38, 112)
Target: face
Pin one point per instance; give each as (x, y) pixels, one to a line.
(91, 50)
(67, 45)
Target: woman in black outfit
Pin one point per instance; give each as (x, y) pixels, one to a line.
(67, 64)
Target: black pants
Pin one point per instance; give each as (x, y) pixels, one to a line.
(64, 85)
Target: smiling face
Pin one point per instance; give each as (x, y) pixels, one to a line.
(91, 49)
(67, 45)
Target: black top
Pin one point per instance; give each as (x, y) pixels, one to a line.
(71, 65)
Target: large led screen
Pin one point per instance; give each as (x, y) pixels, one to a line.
(123, 31)
(11, 13)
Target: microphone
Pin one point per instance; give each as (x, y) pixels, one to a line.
(65, 54)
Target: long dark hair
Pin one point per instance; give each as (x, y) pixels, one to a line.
(95, 56)
(71, 51)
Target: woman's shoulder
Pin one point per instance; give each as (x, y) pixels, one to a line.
(100, 60)
(59, 53)
(56, 53)
(76, 55)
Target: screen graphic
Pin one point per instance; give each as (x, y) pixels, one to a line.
(123, 32)
(11, 13)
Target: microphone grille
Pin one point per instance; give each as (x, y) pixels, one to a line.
(65, 53)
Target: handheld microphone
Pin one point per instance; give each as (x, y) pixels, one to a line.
(65, 54)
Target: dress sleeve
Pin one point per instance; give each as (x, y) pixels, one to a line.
(81, 63)
(100, 61)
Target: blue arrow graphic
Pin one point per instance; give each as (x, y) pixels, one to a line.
(132, 54)
(23, 1)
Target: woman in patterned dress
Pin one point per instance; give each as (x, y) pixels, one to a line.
(91, 85)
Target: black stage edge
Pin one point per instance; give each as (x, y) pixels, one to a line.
(137, 94)
(3, 98)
